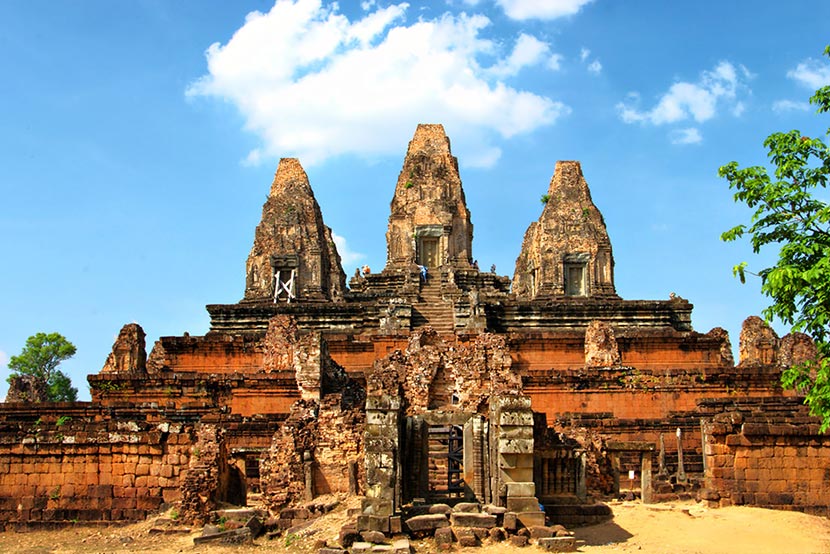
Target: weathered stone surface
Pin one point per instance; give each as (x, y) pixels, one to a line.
(468, 519)
(465, 536)
(429, 222)
(566, 252)
(292, 236)
(443, 537)
(758, 344)
(373, 536)
(440, 509)
(722, 335)
(557, 544)
(26, 388)
(601, 348)
(128, 352)
(471, 507)
(234, 536)
(427, 522)
(796, 348)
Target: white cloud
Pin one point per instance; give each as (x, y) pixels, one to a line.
(540, 9)
(811, 73)
(781, 106)
(367, 5)
(528, 51)
(583, 54)
(555, 62)
(698, 101)
(313, 84)
(595, 67)
(347, 256)
(685, 136)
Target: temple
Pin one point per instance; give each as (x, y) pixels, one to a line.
(528, 400)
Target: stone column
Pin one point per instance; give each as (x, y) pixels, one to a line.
(645, 477)
(381, 451)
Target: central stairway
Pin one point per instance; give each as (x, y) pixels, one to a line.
(431, 309)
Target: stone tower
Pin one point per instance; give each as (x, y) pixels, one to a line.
(566, 252)
(429, 222)
(294, 256)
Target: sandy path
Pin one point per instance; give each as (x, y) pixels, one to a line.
(683, 528)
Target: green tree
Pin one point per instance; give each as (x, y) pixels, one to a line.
(791, 215)
(40, 358)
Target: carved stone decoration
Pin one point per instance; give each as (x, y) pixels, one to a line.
(128, 352)
(429, 222)
(758, 343)
(292, 243)
(601, 350)
(566, 252)
(278, 344)
(796, 348)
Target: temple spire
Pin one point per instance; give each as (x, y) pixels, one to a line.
(429, 222)
(566, 252)
(293, 257)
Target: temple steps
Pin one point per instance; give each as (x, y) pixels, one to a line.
(433, 310)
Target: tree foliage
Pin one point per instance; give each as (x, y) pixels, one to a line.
(40, 358)
(792, 214)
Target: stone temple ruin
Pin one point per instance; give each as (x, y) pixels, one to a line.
(536, 396)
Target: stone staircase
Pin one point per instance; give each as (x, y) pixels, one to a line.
(431, 309)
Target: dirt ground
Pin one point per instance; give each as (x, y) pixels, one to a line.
(679, 528)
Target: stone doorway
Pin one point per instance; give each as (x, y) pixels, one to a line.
(445, 445)
(428, 252)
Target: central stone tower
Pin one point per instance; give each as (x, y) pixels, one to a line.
(429, 222)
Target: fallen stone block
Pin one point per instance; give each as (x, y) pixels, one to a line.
(440, 509)
(469, 507)
(427, 522)
(540, 532)
(361, 547)
(465, 536)
(557, 544)
(466, 519)
(235, 536)
(373, 536)
(443, 538)
(330, 550)
(518, 540)
(531, 519)
(401, 546)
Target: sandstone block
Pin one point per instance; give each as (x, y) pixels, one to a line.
(466, 519)
(427, 522)
(440, 509)
(444, 538)
(557, 544)
(522, 504)
(465, 536)
(521, 489)
(470, 507)
(531, 519)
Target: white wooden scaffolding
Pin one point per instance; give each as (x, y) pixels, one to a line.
(284, 289)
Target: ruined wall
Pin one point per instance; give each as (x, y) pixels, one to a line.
(570, 233)
(434, 373)
(292, 235)
(67, 466)
(767, 452)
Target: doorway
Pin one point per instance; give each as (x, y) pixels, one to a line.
(428, 252)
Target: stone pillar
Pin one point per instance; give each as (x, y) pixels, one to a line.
(308, 477)
(512, 440)
(581, 485)
(645, 477)
(681, 471)
(381, 451)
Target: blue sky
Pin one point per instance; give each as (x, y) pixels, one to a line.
(138, 139)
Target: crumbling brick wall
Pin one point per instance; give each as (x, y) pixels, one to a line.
(64, 468)
(761, 452)
(210, 479)
(434, 373)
